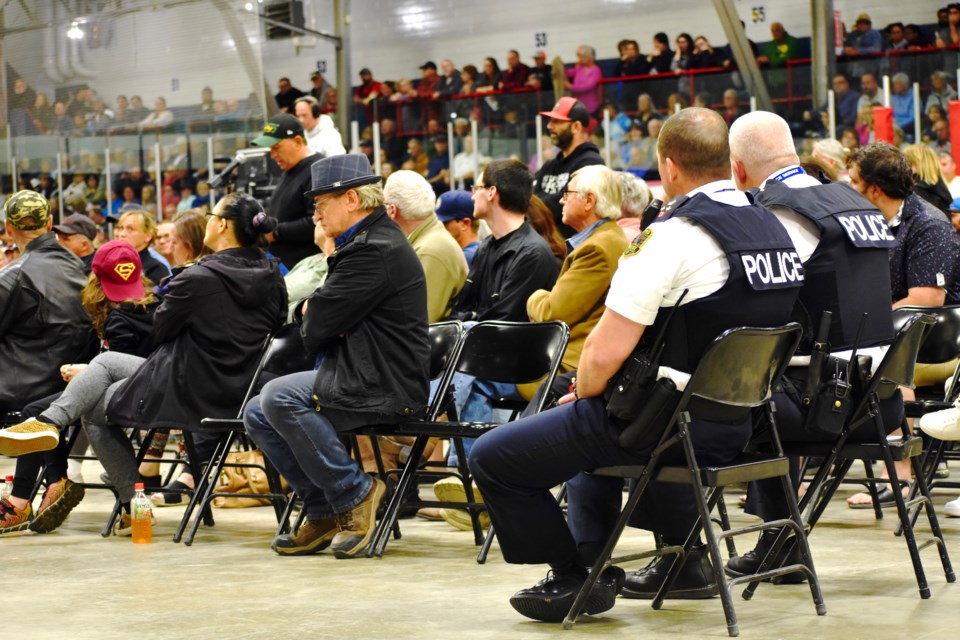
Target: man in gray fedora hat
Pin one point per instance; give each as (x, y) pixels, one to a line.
(368, 324)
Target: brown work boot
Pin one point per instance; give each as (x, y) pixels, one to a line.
(357, 525)
(312, 536)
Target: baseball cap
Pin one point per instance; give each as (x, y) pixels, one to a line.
(279, 127)
(366, 72)
(864, 17)
(27, 210)
(117, 265)
(540, 53)
(454, 205)
(315, 75)
(429, 64)
(570, 110)
(77, 223)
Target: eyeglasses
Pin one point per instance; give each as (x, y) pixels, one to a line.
(215, 215)
(565, 194)
(319, 205)
(478, 187)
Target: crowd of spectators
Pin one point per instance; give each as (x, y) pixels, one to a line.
(83, 112)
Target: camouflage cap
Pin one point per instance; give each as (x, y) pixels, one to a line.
(27, 210)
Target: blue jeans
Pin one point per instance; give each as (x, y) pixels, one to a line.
(304, 444)
(474, 402)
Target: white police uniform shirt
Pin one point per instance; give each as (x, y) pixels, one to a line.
(806, 237)
(677, 255)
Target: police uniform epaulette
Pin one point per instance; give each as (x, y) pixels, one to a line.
(672, 206)
(360, 238)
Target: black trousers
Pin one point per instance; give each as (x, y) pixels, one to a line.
(516, 465)
(765, 497)
(29, 466)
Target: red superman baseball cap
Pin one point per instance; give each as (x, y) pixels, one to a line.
(117, 265)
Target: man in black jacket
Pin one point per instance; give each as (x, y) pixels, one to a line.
(568, 126)
(368, 323)
(42, 323)
(292, 241)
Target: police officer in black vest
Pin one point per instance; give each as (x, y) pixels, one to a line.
(699, 246)
(843, 241)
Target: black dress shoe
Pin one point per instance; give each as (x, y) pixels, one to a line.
(550, 599)
(695, 581)
(749, 563)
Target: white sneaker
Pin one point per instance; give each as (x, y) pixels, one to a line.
(952, 508)
(943, 425)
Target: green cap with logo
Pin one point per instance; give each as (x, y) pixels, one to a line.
(280, 127)
(27, 210)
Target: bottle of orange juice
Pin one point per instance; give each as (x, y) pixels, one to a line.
(141, 516)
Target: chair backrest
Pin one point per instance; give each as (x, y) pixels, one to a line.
(512, 352)
(743, 365)
(942, 343)
(284, 354)
(444, 338)
(900, 361)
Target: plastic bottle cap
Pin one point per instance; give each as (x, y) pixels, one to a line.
(138, 486)
(9, 478)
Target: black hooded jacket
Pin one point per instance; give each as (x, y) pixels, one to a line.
(208, 332)
(129, 329)
(553, 177)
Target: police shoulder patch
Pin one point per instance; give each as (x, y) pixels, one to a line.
(638, 243)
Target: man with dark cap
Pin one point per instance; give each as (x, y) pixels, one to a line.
(77, 234)
(292, 241)
(42, 323)
(455, 211)
(426, 88)
(568, 127)
(368, 323)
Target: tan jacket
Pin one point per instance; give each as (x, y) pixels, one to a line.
(443, 264)
(578, 296)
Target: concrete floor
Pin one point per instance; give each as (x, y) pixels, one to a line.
(75, 584)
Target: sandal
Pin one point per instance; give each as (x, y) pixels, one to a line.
(884, 496)
(174, 494)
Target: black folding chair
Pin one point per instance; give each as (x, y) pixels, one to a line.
(508, 352)
(736, 374)
(942, 344)
(896, 369)
(283, 354)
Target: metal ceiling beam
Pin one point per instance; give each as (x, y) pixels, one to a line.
(742, 53)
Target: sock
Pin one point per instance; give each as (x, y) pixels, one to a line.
(590, 552)
(572, 567)
(43, 418)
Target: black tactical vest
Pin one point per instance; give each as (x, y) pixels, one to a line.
(761, 289)
(848, 273)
